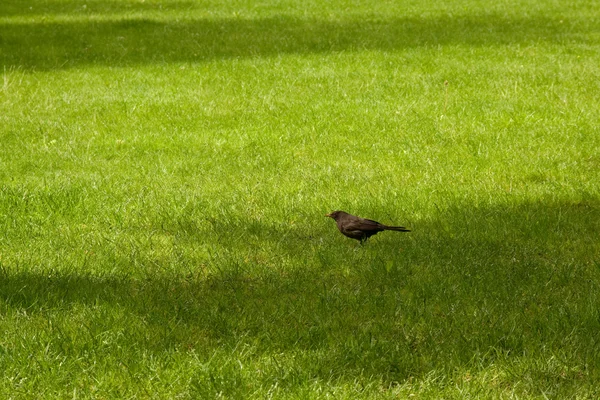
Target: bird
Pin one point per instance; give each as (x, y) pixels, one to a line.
(360, 228)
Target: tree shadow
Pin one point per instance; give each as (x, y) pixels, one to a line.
(124, 42)
(471, 283)
(88, 7)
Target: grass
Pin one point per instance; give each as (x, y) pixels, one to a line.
(165, 168)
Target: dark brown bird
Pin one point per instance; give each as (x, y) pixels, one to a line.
(360, 228)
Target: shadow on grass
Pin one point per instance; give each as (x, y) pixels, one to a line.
(473, 284)
(88, 8)
(123, 42)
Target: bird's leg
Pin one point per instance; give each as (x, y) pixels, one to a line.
(360, 245)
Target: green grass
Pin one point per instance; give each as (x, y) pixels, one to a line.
(165, 168)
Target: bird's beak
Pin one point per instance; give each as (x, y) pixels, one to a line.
(328, 215)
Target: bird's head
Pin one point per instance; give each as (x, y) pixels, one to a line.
(335, 214)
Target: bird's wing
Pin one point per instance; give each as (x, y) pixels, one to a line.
(363, 225)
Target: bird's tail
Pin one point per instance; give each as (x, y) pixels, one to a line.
(396, 228)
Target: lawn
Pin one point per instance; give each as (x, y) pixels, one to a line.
(165, 169)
